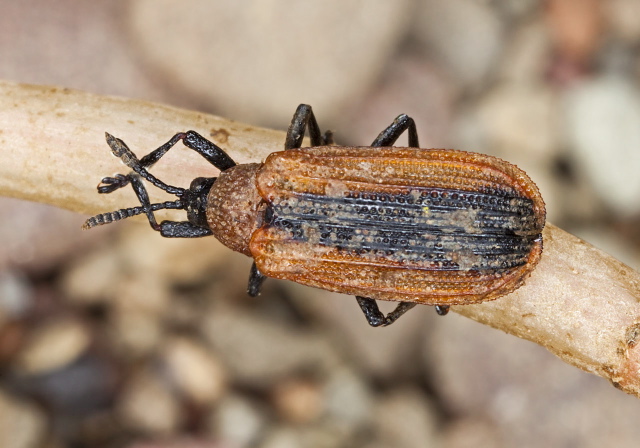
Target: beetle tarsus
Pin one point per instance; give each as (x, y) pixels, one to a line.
(327, 138)
(121, 150)
(111, 184)
(442, 310)
(375, 317)
(256, 278)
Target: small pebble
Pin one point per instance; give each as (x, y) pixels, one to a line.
(22, 425)
(623, 19)
(471, 432)
(348, 399)
(93, 278)
(603, 130)
(298, 401)
(576, 27)
(237, 421)
(406, 418)
(243, 54)
(259, 352)
(53, 345)
(15, 295)
(147, 405)
(520, 120)
(527, 54)
(196, 372)
(465, 35)
(135, 334)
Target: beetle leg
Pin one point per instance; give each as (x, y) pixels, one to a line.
(111, 184)
(207, 149)
(143, 197)
(389, 136)
(327, 137)
(375, 317)
(122, 151)
(150, 159)
(168, 229)
(182, 229)
(256, 278)
(304, 119)
(191, 139)
(442, 310)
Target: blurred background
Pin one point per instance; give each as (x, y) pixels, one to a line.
(118, 338)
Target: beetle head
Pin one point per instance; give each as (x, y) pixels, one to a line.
(194, 200)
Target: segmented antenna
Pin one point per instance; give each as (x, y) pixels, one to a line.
(106, 218)
(122, 151)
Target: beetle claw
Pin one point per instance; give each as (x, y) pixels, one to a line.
(442, 310)
(111, 184)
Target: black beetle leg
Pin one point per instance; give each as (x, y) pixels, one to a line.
(169, 229)
(119, 148)
(209, 150)
(389, 136)
(327, 137)
(375, 317)
(256, 278)
(143, 197)
(304, 119)
(183, 229)
(442, 310)
(191, 139)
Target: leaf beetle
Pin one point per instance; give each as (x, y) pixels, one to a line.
(416, 226)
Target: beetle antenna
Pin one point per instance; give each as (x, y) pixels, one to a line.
(122, 151)
(106, 218)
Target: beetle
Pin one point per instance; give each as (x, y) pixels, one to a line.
(416, 226)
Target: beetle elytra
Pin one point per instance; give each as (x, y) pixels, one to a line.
(416, 226)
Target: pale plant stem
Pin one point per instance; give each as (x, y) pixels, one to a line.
(580, 303)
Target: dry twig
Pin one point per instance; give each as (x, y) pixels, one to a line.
(580, 303)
